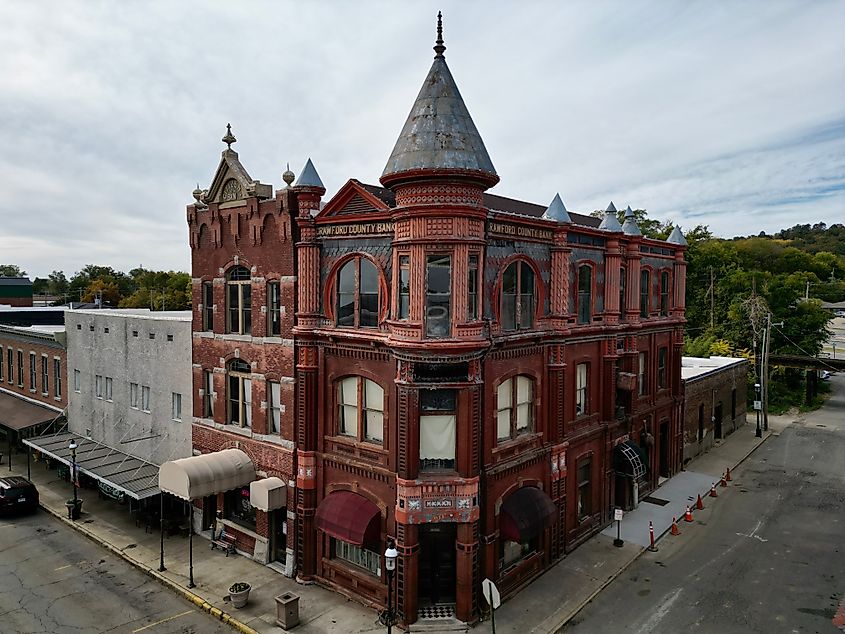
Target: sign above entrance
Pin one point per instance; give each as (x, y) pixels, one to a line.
(357, 229)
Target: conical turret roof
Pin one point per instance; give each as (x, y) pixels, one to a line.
(676, 237)
(439, 133)
(557, 210)
(309, 177)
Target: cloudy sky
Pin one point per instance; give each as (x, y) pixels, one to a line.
(721, 113)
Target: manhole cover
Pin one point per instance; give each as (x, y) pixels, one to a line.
(653, 500)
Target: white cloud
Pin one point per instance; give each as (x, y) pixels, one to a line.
(724, 114)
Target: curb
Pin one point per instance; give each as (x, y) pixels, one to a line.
(197, 600)
(619, 572)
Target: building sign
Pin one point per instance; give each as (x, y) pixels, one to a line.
(361, 228)
(438, 504)
(520, 231)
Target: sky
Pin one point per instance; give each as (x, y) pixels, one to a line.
(727, 114)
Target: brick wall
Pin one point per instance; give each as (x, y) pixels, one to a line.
(41, 349)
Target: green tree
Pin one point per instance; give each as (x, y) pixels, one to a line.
(11, 270)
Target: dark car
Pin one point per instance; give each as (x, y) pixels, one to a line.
(17, 494)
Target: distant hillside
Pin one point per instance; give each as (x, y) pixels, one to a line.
(816, 238)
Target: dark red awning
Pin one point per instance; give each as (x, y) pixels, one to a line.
(525, 514)
(349, 517)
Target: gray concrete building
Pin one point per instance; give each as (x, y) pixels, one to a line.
(129, 380)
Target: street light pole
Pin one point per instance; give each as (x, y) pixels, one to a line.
(757, 404)
(72, 446)
(390, 555)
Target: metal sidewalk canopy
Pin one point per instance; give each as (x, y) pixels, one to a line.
(207, 474)
(18, 414)
(137, 478)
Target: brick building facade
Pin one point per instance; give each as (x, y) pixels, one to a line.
(480, 379)
(715, 396)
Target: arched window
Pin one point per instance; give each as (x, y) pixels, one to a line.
(585, 294)
(645, 283)
(518, 292)
(240, 393)
(514, 407)
(357, 294)
(664, 293)
(360, 409)
(239, 301)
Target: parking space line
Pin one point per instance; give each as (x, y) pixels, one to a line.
(78, 563)
(169, 618)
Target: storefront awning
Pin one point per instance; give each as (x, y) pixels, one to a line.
(268, 494)
(525, 514)
(628, 459)
(18, 414)
(349, 517)
(198, 476)
(135, 477)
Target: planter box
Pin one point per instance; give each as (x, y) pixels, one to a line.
(287, 610)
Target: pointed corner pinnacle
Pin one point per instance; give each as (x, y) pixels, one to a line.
(229, 138)
(610, 222)
(439, 47)
(676, 237)
(309, 177)
(557, 210)
(630, 227)
(611, 207)
(629, 213)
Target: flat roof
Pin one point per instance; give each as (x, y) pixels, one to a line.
(136, 313)
(695, 367)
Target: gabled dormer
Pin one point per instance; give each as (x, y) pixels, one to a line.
(232, 183)
(357, 199)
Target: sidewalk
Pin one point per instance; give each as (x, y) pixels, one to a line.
(544, 606)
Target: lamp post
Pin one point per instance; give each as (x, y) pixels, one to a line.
(72, 446)
(759, 432)
(390, 555)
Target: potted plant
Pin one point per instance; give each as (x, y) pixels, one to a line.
(239, 594)
(74, 509)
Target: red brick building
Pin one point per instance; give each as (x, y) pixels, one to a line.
(480, 378)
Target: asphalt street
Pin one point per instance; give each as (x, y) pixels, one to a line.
(767, 555)
(54, 580)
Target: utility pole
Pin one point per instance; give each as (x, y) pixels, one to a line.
(712, 299)
(767, 337)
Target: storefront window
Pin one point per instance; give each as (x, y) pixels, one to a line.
(238, 508)
(358, 556)
(514, 552)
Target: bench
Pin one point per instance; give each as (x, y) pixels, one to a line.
(225, 541)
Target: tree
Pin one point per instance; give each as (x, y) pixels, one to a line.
(57, 283)
(103, 290)
(11, 270)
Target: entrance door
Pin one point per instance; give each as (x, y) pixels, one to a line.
(278, 535)
(717, 423)
(209, 512)
(664, 449)
(437, 563)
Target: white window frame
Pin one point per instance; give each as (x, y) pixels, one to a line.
(515, 407)
(208, 394)
(242, 400)
(274, 406)
(360, 409)
(77, 381)
(145, 398)
(244, 323)
(133, 395)
(109, 388)
(176, 406)
(98, 386)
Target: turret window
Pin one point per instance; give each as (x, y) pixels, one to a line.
(438, 315)
(404, 286)
(472, 288)
(239, 301)
(518, 292)
(358, 294)
(585, 294)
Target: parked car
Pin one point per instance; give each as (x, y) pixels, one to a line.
(17, 495)
(839, 313)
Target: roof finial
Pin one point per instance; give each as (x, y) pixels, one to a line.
(288, 176)
(439, 48)
(229, 138)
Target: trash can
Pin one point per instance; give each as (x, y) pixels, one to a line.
(287, 610)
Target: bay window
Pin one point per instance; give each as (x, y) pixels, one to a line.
(438, 316)
(404, 286)
(438, 433)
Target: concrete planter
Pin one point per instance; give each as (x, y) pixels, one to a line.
(239, 594)
(287, 610)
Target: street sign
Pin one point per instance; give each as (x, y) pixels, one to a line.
(491, 593)
(617, 515)
(758, 404)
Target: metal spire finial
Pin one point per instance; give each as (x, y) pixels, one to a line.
(439, 48)
(229, 138)
(288, 176)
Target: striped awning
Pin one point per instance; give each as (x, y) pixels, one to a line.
(133, 476)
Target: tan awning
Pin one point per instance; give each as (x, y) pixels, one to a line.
(17, 414)
(268, 494)
(198, 476)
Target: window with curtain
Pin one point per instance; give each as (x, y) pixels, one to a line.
(645, 284)
(240, 393)
(438, 432)
(274, 309)
(514, 407)
(642, 374)
(664, 293)
(239, 300)
(438, 298)
(662, 356)
(518, 292)
(404, 286)
(208, 394)
(585, 294)
(274, 403)
(207, 306)
(357, 294)
(582, 392)
(360, 409)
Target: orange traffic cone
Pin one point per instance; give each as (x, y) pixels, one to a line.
(688, 515)
(699, 503)
(713, 493)
(728, 475)
(723, 482)
(675, 530)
